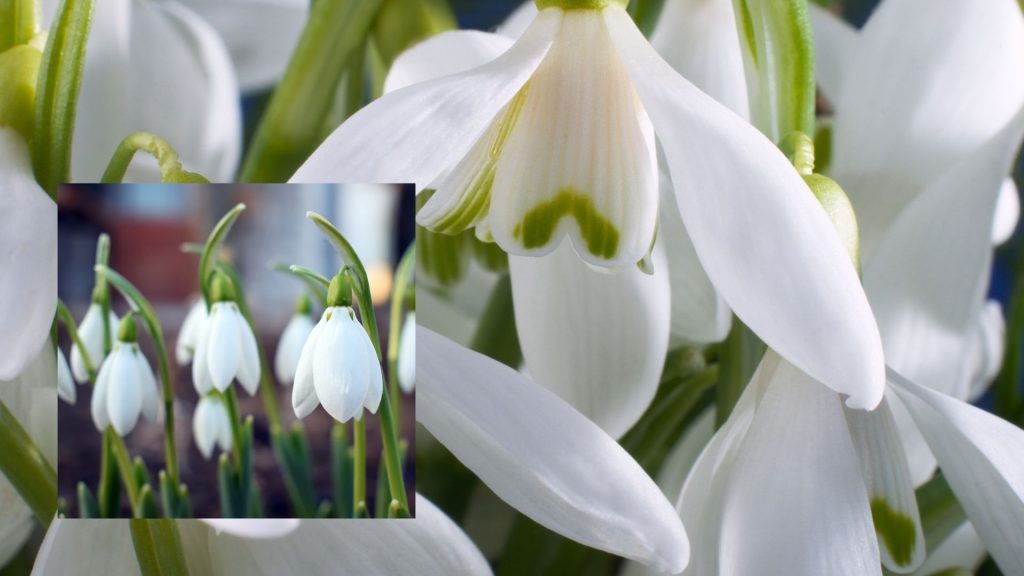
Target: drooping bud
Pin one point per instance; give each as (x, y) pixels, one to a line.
(339, 293)
(126, 330)
(221, 288)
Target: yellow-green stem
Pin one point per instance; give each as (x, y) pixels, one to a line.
(359, 468)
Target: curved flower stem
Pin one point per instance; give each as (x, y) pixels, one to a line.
(392, 455)
(403, 280)
(170, 167)
(142, 306)
(359, 469)
(158, 548)
(102, 257)
(69, 324)
(311, 280)
(206, 260)
(231, 402)
(26, 468)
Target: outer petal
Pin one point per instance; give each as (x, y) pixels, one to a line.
(99, 402)
(200, 363)
(70, 548)
(445, 54)
(407, 354)
(148, 389)
(304, 398)
(223, 346)
(764, 241)
(429, 544)
(124, 396)
(188, 336)
(919, 94)
(699, 39)
(65, 383)
(375, 377)
(260, 35)
(542, 457)
(256, 529)
(1007, 212)
(203, 426)
(961, 549)
(249, 370)
(598, 340)
(890, 487)
(28, 258)
(987, 348)
(411, 135)
(289, 348)
(817, 520)
(339, 368)
(835, 42)
(980, 455)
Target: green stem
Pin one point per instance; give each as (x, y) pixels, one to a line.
(124, 464)
(166, 157)
(231, 401)
(26, 468)
(158, 548)
(291, 127)
(359, 469)
(142, 306)
(1008, 402)
(69, 324)
(392, 456)
(403, 280)
(102, 257)
(738, 358)
(57, 86)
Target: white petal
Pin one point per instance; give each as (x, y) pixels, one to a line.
(375, 377)
(412, 135)
(890, 487)
(28, 258)
(339, 368)
(980, 456)
(70, 547)
(519, 20)
(699, 39)
(223, 347)
(256, 529)
(699, 314)
(816, 520)
(98, 404)
(188, 335)
(221, 424)
(407, 354)
(429, 544)
(65, 383)
(249, 370)
(963, 548)
(200, 363)
(147, 388)
(763, 239)
(919, 94)
(835, 41)
(304, 398)
(445, 54)
(543, 457)
(928, 277)
(260, 35)
(202, 426)
(987, 348)
(90, 332)
(598, 340)
(1007, 212)
(124, 396)
(289, 348)
(580, 161)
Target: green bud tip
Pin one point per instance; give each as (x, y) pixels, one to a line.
(840, 211)
(221, 288)
(126, 331)
(302, 306)
(339, 293)
(580, 4)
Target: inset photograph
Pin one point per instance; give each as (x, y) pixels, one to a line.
(236, 351)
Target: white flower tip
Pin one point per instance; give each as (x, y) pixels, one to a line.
(265, 528)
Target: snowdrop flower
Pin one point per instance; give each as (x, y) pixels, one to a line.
(188, 335)
(28, 220)
(226, 349)
(507, 150)
(294, 337)
(407, 354)
(90, 331)
(211, 426)
(125, 385)
(338, 366)
(65, 383)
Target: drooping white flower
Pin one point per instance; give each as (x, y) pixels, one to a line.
(338, 366)
(407, 354)
(125, 385)
(289, 348)
(226, 349)
(211, 426)
(91, 331)
(188, 335)
(65, 383)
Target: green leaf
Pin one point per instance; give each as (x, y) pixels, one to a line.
(26, 468)
(158, 547)
(207, 260)
(87, 505)
(60, 77)
(495, 335)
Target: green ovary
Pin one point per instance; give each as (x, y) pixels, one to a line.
(896, 530)
(539, 224)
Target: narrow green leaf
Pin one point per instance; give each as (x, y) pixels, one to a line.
(87, 505)
(496, 332)
(207, 260)
(26, 468)
(17, 22)
(158, 547)
(60, 77)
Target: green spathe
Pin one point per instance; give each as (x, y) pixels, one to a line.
(339, 293)
(539, 224)
(221, 288)
(895, 529)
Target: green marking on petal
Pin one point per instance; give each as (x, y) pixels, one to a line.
(896, 530)
(19, 68)
(580, 4)
(539, 224)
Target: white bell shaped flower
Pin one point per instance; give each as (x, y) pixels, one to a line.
(515, 149)
(211, 426)
(90, 331)
(188, 335)
(65, 383)
(125, 385)
(289, 348)
(226, 349)
(407, 354)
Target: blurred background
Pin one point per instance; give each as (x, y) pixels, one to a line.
(148, 224)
